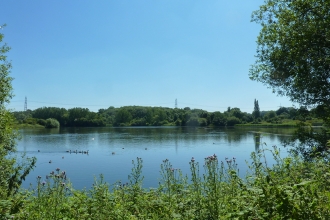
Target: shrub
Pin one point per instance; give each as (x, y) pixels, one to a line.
(31, 121)
(231, 121)
(202, 122)
(52, 123)
(193, 121)
(41, 122)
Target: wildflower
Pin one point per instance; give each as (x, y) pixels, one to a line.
(192, 159)
(47, 177)
(39, 177)
(43, 183)
(63, 184)
(52, 173)
(57, 169)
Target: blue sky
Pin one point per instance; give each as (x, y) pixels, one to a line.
(96, 54)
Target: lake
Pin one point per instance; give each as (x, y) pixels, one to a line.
(111, 150)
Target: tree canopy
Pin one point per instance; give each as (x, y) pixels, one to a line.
(293, 49)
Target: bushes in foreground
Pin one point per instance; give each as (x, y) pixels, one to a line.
(290, 189)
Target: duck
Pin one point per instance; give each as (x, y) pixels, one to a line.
(50, 161)
(113, 153)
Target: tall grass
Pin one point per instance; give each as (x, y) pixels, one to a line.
(289, 189)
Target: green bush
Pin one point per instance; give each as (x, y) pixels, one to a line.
(52, 123)
(231, 121)
(193, 121)
(202, 122)
(41, 122)
(31, 121)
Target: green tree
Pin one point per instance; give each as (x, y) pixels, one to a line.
(123, 117)
(236, 112)
(11, 174)
(218, 119)
(256, 111)
(293, 52)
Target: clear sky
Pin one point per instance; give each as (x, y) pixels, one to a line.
(96, 54)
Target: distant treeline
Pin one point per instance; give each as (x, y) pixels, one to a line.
(157, 116)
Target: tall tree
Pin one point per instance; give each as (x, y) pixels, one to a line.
(293, 58)
(293, 49)
(256, 111)
(11, 174)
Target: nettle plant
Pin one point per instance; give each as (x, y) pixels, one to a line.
(49, 199)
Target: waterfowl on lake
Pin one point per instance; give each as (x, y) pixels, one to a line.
(38, 150)
(146, 148)
(113, 153)
(50, 161)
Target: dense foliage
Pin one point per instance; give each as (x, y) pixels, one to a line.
(293, 54)
(290, 189)
(158, 116)
(293, 58)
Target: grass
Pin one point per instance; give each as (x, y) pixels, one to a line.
(20, 126)
(284, 123)
(290, 189)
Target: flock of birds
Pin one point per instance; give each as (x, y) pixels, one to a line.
(82, 152)
(76, 151)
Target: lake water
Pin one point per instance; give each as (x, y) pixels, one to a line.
(111, 150)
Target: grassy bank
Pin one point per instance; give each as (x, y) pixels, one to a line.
(284, 123)
(20, 126)
(290, 189)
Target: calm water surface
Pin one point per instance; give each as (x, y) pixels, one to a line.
(111, 150)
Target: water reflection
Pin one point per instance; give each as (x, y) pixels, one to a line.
(257, 139)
